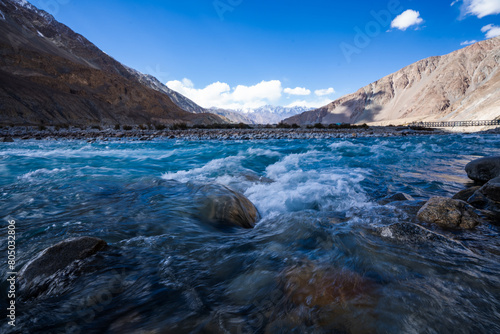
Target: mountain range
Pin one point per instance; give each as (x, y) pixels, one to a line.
(463, 85)
(51, 75)
(267, 114)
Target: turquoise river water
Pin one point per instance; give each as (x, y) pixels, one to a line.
(320, 260)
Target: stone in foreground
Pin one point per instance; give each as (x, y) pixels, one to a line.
(57, 258)
(484, 169)
(448, 213)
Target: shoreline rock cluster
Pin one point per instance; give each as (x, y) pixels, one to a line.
(257, 133)
(469, 207)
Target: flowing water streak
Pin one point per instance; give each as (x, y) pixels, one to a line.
(321, 222)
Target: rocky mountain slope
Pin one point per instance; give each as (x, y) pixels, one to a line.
(463, 85)
(51, 75)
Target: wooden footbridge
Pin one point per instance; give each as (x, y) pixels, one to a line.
(456, 124)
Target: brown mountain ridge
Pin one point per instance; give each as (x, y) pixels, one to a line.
(51, 75)
(463, 85)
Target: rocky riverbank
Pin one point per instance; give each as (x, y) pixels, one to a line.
(24, 133)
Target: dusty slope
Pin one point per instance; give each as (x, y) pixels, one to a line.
(51, 75)
(463, 85)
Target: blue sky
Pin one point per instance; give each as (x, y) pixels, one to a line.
(246, 53)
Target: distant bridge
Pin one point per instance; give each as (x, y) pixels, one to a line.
(456, 123)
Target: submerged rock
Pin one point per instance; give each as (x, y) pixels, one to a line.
(223, 205)
(409, 207)
(7, 140)
(322, 286)
(414, 233)
(396, 198)
(335, 299)
(37, 273)
(484, 169)
(448, 213)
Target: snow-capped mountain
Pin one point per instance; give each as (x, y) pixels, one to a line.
(263, 115)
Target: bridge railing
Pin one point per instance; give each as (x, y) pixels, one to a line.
(456, 123)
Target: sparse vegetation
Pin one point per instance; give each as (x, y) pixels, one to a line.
(160, 127)
(179, 126)
(347, 126)
(420, 128)
(316, 126)
(42, 128)
(127, 127)
(96, 127)
(117, 127)
(282, 125)
(222, 126)
(61, 126)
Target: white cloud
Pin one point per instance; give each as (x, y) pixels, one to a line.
(454, 3)
(245, 98)
(220, 94)
(323, 92)
(407, 19)
(265, 90)
(297, 91)
(481, 8)
(491, 30)
(468, 42)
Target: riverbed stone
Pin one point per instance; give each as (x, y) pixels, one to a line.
(448, 213)
(37, 272)
(484, 169)
(223, 205)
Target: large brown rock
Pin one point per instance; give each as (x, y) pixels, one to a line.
(448, 213)
(484, 169)
(223, 205)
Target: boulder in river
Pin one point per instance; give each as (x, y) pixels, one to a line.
(36, 274)
(223, 205)
(465, 194)
(487, 198)
(448, 213)
(7, 140)
(484, 169)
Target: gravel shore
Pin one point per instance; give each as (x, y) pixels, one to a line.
(24, 133)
